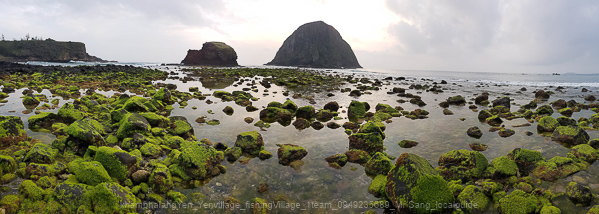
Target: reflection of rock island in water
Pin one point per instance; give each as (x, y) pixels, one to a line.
(212, 54)
(317, 45)
(216, 83)
(44, 50)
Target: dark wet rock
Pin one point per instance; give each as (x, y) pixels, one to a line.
(594, 143)
(406, 144)
(233, 153)
(289, 106)
(331, 106)
(525, 159)
(482, 99)
(478, 147)
(251, 108)
(399, 90)
(474, 132)
(373, 127)
(579, 194)
(483, 115)
(316, 44)
(228, 110)
(528, 133)
(212, 54)
(559, 104)
(324, 115)
(565, 121)
(317, 125)
(503, 101)
(379, 164)
(250, 142)
(140, 176)
(506, 132)
(570, 135)
(220, 146)
(414, 180)
(447, 112)
(301, 123)
(275, 114)
(333, 125)
(248, 120)
(462, 164)
(355, 93)
(494, 120)
(351, 126)
(501, 168)
(263, 188)
(590, 98)
(263, 155)
(456, 100)
(541, 95)
(11, 131)
(340, 159)
(544, 110)
(288, 153)
(566, 112)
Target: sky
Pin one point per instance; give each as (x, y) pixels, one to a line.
(543, 36)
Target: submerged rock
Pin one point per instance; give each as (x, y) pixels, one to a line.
(579, 194)
(212, 54)
(316, 44)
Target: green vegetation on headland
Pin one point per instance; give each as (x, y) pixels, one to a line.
(126, 148)
(44, 50)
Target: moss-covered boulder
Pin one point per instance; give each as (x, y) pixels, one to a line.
(414, 180)
(150, 150)
(160, 179)
(547, 124)
(483, 115)
(340, 159)
(306, 112)
(474, 132)
(11, 131)
(86, 132)
(275, 114)
(250, 142)
(89, 172)
(570, 135)
(544, 110)
(566, 121)
(40, 153)
(332, 106)
(474, 200)
(462, 164)
(356, 110)
(377, 186)
(583, 152)
(379, 164)
(501, 168)
(118, 163)
(70, 113)
(456, 100)
(357, 156)
(135, 104)
(324, 115)
(289, 106)
(164, 95)
(42, 120)
(525, 159)
(155, 120)
(132, 123)
(7, 164)
(406, 144)
(73, 195)
(519, 202)
(373, 127)
(181, 127)
(547, 171)
(550, 210)
(197, 161)
(369, 142)
(113, 198)
(579, 194)
(288, 153)
(11, 203)
(28, 189)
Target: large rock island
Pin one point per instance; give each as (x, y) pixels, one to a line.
(317, 45)
(44, 50)
(212, 54)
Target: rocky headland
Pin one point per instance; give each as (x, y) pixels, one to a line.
(212, 54)
(45, 50)
(316, 45)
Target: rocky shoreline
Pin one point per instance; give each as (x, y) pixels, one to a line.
(127, 148)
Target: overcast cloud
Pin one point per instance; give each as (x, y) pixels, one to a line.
(499, 36)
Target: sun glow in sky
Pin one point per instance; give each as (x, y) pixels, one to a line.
(498, 36)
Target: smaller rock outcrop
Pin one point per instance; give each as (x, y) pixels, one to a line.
(212, 54)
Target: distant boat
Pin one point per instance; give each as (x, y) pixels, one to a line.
(555, 74)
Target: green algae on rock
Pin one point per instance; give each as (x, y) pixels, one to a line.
(250, 142)
(462, 164)
(118, 163)
(519, 202)
(288, 153)
(11, 131)
(502, 167)
(570, 135)
(379, 164)
(473, 199)
(414, 180)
